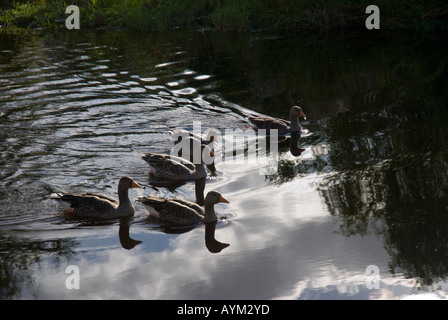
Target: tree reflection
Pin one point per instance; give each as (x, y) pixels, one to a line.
(382, 115)
(392, 179)
(18, 254)
(290, 165)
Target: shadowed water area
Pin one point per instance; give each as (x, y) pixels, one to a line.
(367, 186)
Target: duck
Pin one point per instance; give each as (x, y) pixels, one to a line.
(183, 212)
(168, 166)
(283, 126)
(96, 205)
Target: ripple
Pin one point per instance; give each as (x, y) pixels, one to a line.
(202, 77)
(173, 84)
(99, 67)
(191, 92)
(83, 57)
(150, 79)
(108, 75)
(166, 64)
(186, 72)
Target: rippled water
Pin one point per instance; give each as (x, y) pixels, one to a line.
(368, 189)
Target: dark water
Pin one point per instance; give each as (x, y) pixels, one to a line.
(369, 189)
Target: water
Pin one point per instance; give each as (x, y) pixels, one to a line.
(369, 188)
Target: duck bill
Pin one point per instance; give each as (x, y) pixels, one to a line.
(221, 199)
(301, 114)
(136, 185)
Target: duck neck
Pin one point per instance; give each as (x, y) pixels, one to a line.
(199, 186)
(123, 197)
(295, 125)
(209, 214)
(200, 168)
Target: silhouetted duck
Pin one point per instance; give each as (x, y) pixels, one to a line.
(183, 212)
(176, 168)
(283, 126)
(96, 205)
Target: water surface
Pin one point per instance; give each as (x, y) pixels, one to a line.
(369, 187)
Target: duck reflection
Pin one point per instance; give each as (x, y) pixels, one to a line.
(287, 169)
(294, 145)
(294, 140)
(123, 228)
(123, 234)
(213, 245)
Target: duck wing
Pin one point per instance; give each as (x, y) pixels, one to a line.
(174, 211)
(192, 205)
(93, 205)
(166, 166)
(270, 123)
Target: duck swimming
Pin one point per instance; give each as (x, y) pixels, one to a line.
(283, 126)
(176, 168)
(96, 205)
(183, 212)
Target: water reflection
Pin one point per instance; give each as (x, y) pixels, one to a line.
(213, 245)
(123, 234)
(394, 183)
(384, 140)
(294, 145)
(288, 162)
(367, 187)
(74, 222)
(17, 255)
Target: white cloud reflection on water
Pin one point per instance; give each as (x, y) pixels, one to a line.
(290, 250)
(283, 241)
